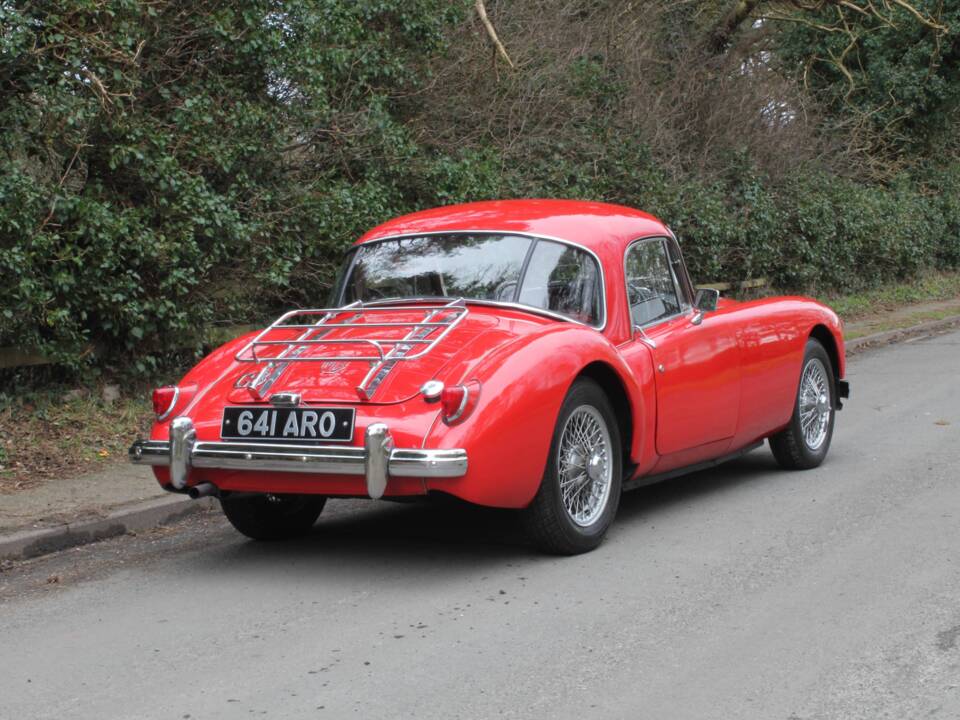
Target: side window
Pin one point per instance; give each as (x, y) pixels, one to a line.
(651, 290)
(563, 279)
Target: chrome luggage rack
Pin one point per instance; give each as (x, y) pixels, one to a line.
(381, 352)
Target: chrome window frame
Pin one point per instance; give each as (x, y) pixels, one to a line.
(626, 290)
(685, 282)
(498, 303)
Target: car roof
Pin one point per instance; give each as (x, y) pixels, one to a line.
(597, 226)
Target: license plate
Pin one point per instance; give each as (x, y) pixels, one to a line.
(300, 424)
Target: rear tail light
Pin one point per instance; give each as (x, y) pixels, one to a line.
(458, 401)
(452, 400)
(165, 400)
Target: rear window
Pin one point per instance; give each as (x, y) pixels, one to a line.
(563, 279)
(495, 267)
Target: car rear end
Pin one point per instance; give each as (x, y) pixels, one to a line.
(333, 402)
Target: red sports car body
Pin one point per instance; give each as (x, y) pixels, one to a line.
(447, 360)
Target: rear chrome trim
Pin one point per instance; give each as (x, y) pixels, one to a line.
(377, 447)
(377, 460)
(407, 462)
(150, 452)
(182, 437)
(285, 399)
(431, 390)
(382, 347)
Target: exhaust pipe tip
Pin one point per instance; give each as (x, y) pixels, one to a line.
(202, 490)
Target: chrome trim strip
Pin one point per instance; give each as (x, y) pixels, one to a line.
(377, 456)
(495, 303)
(687, 281)
(279, 458)
(173, 404)
(405, 462)
(603, 278)
(150, 452)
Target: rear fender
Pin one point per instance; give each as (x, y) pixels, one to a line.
(193, 386)
(203, 377)
(523, 385)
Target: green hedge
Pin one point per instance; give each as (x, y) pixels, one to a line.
(164, 165)
(147, 191)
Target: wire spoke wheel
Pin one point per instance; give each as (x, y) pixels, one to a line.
(804, 443)
(584, 465)
(815, 404)
(580, 490)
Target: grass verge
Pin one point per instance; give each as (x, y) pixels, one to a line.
(55, 432)
(870, 303)
(899, 321)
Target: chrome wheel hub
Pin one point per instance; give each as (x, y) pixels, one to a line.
(595, 467)
(584, 465)
(815, 404)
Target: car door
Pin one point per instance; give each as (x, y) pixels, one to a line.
(695, 356)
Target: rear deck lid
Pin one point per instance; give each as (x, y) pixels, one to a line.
(379, 354)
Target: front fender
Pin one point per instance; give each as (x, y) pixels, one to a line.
(827, 317)
(508, 434)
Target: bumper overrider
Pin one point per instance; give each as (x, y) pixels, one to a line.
(377, 460)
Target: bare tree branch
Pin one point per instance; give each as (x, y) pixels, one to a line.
(491, 31)
(925, 20)
(719, 37)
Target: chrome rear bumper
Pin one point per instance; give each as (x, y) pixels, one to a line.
(377, 460)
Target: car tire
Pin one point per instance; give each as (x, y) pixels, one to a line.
(561, 519)
(804, 443)
(272, 517)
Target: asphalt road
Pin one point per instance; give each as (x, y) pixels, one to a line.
(742, 592)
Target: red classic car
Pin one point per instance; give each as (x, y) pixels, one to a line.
(541, 355)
